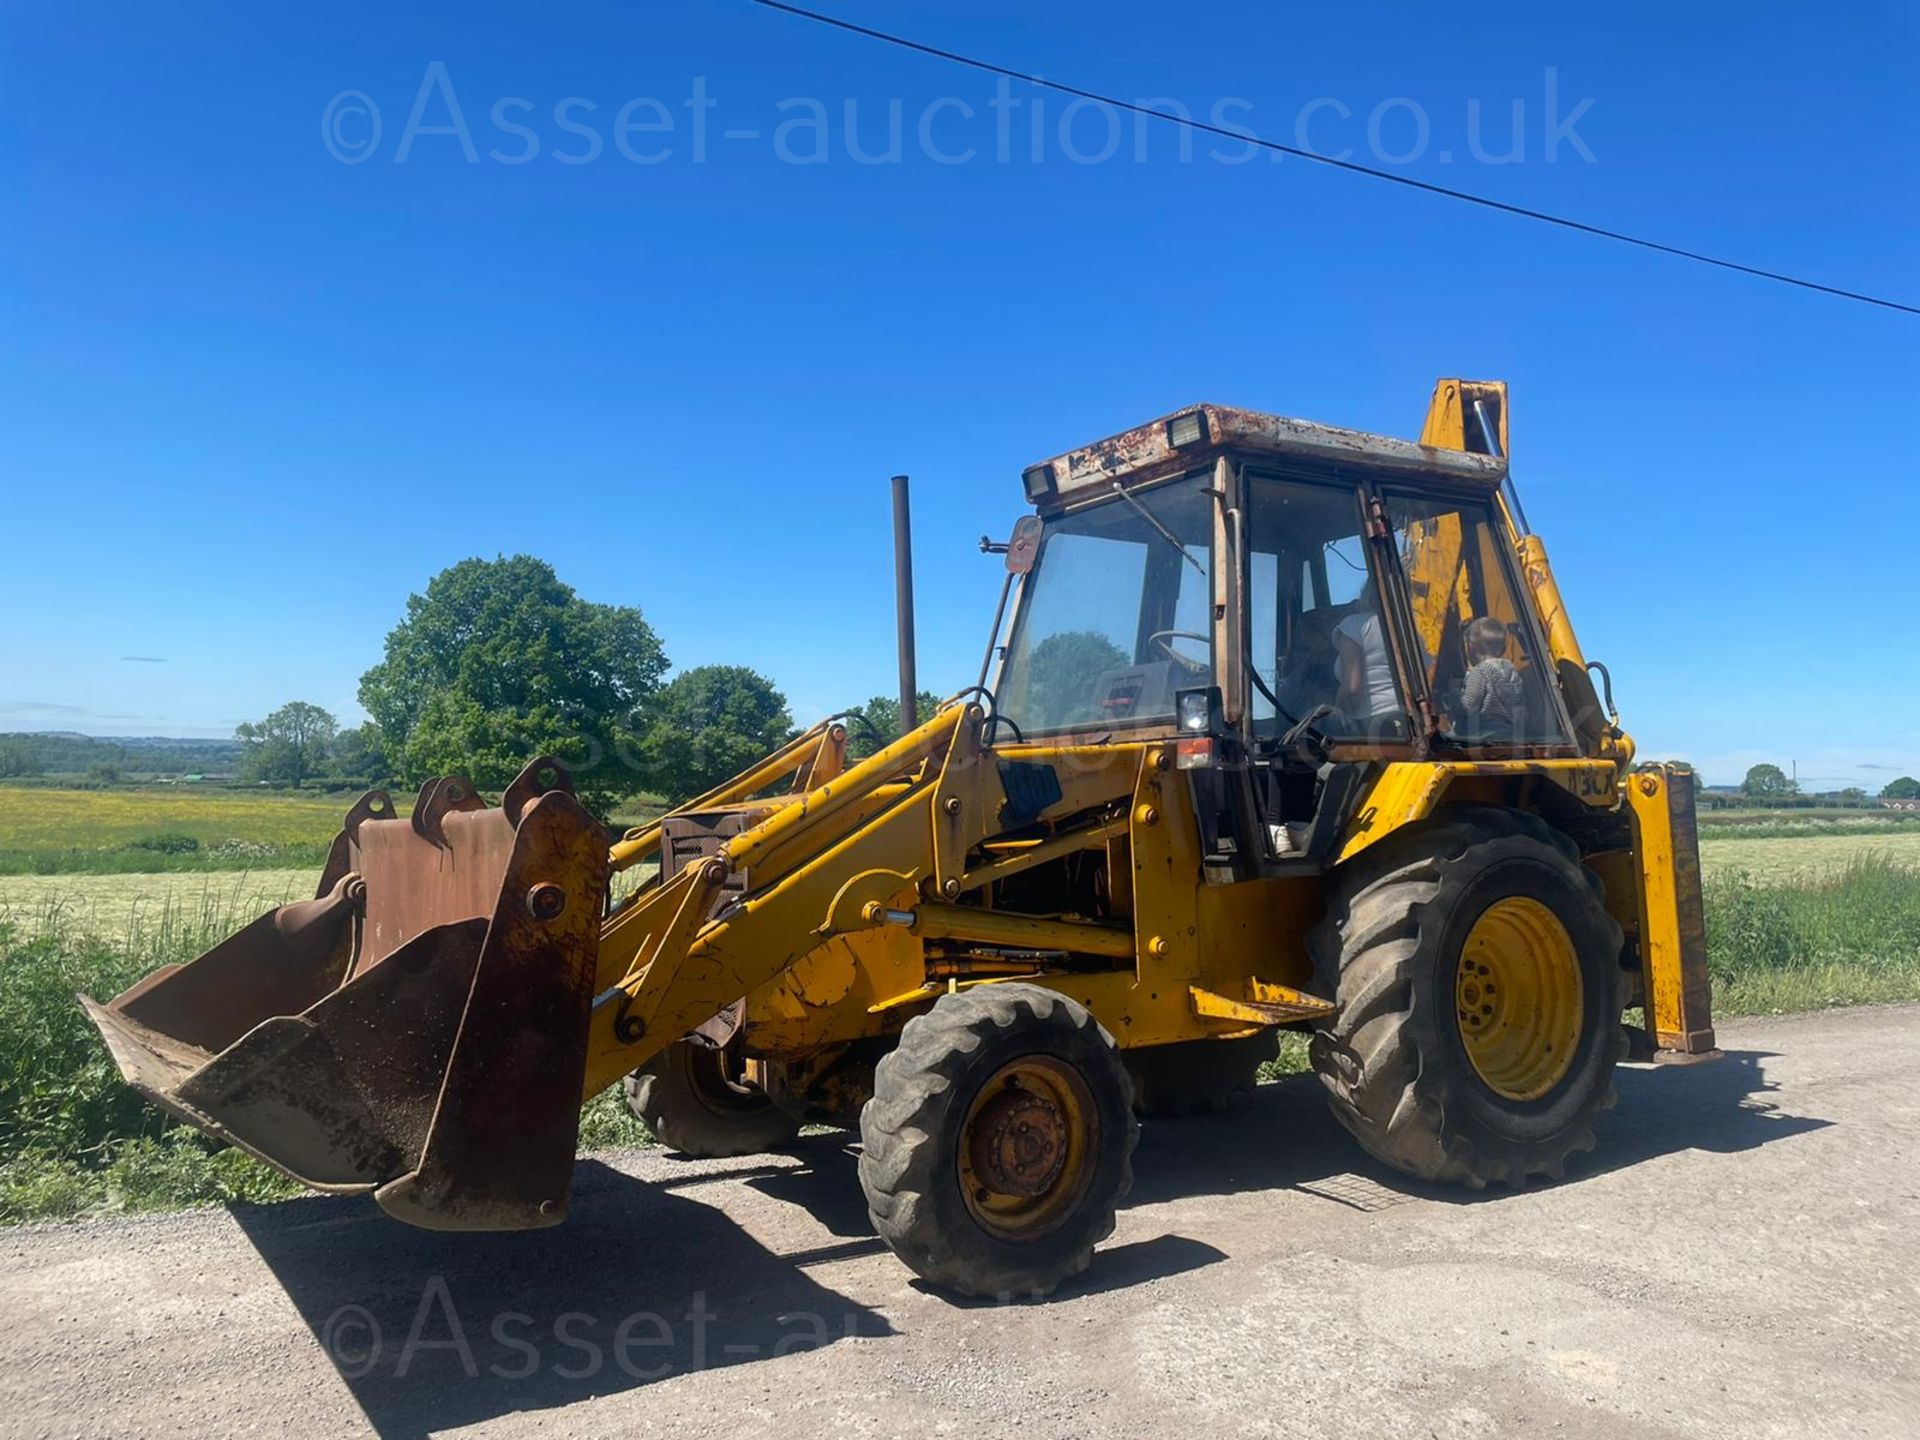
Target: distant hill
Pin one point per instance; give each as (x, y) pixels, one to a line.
(65, 753)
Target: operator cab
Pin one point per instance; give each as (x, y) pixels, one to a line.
(1314, 602)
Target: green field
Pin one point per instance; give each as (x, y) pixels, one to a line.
(174, 829)
(54, 832)
(1781, 857)
(124, 907)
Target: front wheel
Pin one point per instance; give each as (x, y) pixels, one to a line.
(1480, 988)
(999, 1140)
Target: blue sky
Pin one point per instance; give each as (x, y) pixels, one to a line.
(252, 395)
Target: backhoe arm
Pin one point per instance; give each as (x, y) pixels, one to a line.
(1656, 892)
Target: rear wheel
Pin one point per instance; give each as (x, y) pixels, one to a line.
(1198, 1077)
(697, 1100)
(1480, 988)
(999, 1141)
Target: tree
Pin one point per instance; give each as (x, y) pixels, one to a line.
(287, 747)
(1768, 782)
(1905, 788)
(1853, 795)
(882, 716)
(19, 756)
(1062, 674)
(359, 756)
(709, 724)
(500, 661)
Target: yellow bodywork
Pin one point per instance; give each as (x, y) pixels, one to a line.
(837, 941)
(871, 882)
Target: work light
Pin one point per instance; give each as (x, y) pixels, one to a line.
(1197, 714)
(1185, 430)
(1038, 482)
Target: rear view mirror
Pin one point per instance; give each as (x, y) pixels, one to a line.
(1024, 545)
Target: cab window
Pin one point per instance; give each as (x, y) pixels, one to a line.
(1115, 616)
(1314, 624)
(1487, 684)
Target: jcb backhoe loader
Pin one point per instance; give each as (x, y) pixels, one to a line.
(1289, 729)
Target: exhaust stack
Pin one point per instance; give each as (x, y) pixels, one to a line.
(903, 604)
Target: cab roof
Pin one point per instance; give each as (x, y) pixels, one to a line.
(1149, 452)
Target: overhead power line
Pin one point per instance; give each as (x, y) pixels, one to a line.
(1244, 137)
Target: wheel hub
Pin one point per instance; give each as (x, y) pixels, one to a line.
(1019, 1142)
(1518, 998)
(1027, 1147)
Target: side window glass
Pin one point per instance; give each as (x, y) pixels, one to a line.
(1485, 679)
(1314, 626)
(1263, 620)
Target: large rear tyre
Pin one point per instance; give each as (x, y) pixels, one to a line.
(697, 1100)
(1480, 989)
(999, 1141)
(1198, 1077)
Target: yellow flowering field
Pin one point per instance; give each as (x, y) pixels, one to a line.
(44, 820)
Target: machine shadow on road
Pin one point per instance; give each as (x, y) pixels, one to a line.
(1286, 1138)
(432, 1331)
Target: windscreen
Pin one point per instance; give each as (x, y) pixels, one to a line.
(1115, 615)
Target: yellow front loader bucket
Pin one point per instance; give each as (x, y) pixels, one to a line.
(419, 1029)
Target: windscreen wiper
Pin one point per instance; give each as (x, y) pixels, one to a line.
(1165, 534)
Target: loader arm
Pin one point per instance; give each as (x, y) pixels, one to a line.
(896, 830)
(669, 961)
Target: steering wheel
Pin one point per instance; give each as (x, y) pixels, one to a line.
(1165, 638)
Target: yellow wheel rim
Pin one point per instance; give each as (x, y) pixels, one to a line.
(1027, 1147)
(1518, 995)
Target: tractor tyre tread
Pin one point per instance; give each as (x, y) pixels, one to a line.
(1408, 1096)
(909, 1136)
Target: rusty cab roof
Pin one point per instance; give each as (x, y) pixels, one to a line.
(1148, 452)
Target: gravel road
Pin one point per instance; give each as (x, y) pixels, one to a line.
(1743, 1259)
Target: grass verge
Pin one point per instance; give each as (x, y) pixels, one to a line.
(136, 859)
(1849, 935)
(73, 1138)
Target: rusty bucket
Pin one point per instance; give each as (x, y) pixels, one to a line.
(419, 1029)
